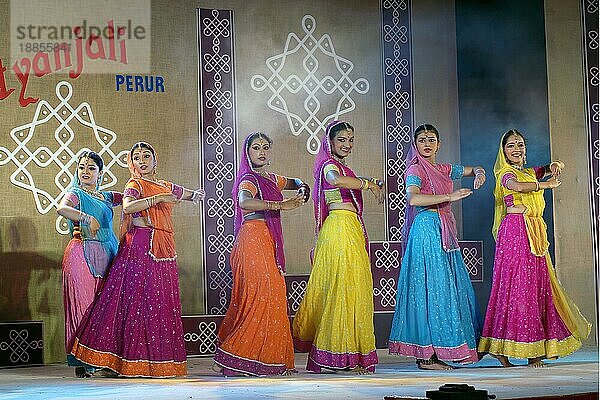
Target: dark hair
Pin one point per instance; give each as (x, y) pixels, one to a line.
(257, 135)
(340, 126)
(426, 128)
(94, 156)
(509, 133)
(142, 145)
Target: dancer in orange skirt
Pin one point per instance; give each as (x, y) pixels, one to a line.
(255, 336)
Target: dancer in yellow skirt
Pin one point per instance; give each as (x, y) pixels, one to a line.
(334, 322)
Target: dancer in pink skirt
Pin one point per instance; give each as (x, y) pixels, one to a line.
(91, 249)
(529, 314)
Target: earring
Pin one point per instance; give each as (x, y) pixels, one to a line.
(524, 159)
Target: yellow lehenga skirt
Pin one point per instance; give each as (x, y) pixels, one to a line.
(334, 322)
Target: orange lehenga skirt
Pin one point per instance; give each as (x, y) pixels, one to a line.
(255, 335)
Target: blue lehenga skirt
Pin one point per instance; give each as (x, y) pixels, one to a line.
(436, 310)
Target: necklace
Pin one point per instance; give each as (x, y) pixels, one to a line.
(93, 193)
(340, 160)
(515, 166)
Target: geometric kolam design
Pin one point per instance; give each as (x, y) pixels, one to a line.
(21, 343)
(218, 148)
(472, 254)
(308, 73)
(49, 144)
(203, 338)
(296, 286)
(591, 39)
(398, 108)
(386, 258)
(398, 119)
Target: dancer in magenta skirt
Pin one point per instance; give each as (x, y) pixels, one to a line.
(529, 314)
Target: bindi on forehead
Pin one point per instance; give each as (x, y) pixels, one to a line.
(345, 133)
(514, 140)
(87, 162)
(426, 136)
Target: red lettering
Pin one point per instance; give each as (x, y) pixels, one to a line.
(88, 48)
(41, 55)
(3, 92)
(23, 77)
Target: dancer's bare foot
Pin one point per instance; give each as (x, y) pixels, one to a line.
(536, 362)
(503, 360)
(360, 371)
(106, 373)
(80, 372)
(289, 372)
(433, 364)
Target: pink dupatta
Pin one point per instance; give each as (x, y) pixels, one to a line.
(438, 183)
(267, 190)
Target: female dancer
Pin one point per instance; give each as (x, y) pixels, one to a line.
(436, 316)
(91, 249)
(529, 315)
(255, 336)
(334, 322)
(134, 327)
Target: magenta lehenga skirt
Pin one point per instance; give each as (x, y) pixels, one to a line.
(134, 327)
(522, 320)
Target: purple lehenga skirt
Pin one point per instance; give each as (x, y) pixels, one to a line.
(134, 327)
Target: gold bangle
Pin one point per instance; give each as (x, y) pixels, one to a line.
(364, 184)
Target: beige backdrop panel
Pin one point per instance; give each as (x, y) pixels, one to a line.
(569, 142)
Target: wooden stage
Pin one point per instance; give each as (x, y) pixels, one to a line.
(396, 377)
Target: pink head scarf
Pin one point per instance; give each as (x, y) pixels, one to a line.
(325, 157)
(439, 183)
(267, 190)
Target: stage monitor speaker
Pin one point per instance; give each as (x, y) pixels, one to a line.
(458, 391)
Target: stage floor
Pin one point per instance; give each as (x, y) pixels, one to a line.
(396, 376)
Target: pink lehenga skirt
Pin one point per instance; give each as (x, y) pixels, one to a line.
(134, 327)
(79, 289)
(522, 318)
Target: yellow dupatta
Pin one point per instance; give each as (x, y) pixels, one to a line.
(533, 201)
(537, 234)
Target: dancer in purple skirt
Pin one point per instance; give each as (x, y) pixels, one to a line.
(134, 327)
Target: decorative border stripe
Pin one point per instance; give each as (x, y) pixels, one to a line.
(591, 41)
(218, 133)
(398, 107)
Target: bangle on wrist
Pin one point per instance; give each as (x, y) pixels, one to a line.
(84, 218)
(364, 183)
(537, 186)
(377, 182)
